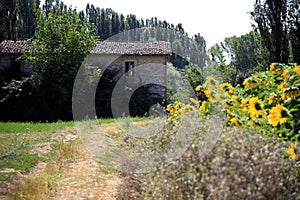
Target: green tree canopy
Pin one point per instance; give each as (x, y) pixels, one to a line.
(61, 43)
(239, 57)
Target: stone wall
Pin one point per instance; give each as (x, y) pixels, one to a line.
(149, 75)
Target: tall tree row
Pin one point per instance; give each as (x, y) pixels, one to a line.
(294, 27)
(18, 18)
(61, 42)
(278, 23)
(18, 21)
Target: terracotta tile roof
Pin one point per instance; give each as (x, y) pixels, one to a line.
(13, 47)
(132, 48)
(102, 48)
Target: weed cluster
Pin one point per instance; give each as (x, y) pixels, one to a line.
(242, 165)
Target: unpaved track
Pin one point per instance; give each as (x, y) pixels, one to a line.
(79, 175)
(81, 178)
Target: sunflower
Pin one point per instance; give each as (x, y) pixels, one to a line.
(227, 88)
(255, 107)
(235, 122)
(277, 115)
(169, 108)
(214, 97)
(235, 99)
(290, 93)
(276, 68)
(198, 88)
(285, 74)
(291, 151)
(251, 83)
(245, 104)
(210, 81)
(272, 67)
(203, 106)
(206, 92)
(297, 70)
(282, 86)
(271, 99)
(228, 113)
(177, 104)
(185, 110)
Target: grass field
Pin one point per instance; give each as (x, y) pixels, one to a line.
(25, 127)
(19, 143)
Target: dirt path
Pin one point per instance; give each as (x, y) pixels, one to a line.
(81, 178)
(76, 171)
(77, 174)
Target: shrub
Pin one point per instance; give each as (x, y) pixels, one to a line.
(242, 165)
(269, 102)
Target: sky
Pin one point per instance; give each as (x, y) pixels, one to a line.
(213, 19)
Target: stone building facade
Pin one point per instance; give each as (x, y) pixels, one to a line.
(131, 65)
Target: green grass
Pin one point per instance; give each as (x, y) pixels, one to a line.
(22, 162)
(25, 127)
(134, 119)
(30, 127)
(18, 139)
(7, 176)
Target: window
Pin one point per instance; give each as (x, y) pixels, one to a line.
(129, 68)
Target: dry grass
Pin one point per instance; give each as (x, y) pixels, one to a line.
(40, 185)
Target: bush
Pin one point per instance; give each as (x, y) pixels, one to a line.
(269, 102)
(242, 165)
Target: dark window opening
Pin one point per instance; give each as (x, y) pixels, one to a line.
(129, 68)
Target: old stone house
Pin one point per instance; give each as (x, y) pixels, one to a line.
(131, 65)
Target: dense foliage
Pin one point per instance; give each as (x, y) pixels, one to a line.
(61, 43)
(268, 102)
(239, 57)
